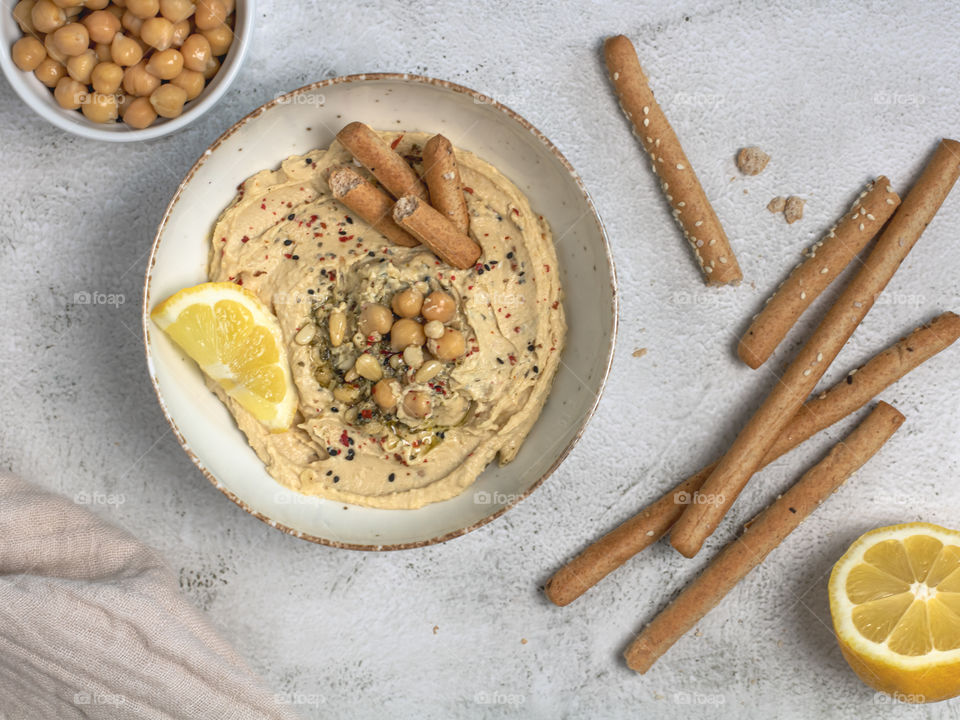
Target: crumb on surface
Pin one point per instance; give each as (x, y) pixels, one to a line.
(752, 160)
(523, 641)
(793, 209)
(435, 629)
(777, 204)
(639, 352)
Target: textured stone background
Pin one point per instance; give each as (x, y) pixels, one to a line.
(837, 94)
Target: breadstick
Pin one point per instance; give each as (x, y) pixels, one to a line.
(762, 535)
(443, 181)
(847, 396)
(383, 163)
(373, 205)
(723, 486)
(688, 202)
(436, 232)
(825, 260)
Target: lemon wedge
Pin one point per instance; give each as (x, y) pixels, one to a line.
(895, 602)
(237, 342)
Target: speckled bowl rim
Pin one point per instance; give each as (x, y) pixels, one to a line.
(358, 79)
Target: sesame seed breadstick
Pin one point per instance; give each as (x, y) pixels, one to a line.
(373, 205)
(688, 202)
(443, 182)
(383, 163)
(825, 260)
(436, 232)
(763, 534)
(847, 396)
(743, 458)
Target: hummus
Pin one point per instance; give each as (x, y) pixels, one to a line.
(318, 267)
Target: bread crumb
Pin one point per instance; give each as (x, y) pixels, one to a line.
(523, 641)
(752, 160)
(793, 209)
(639, 352)
(435, 629)
(777, 204)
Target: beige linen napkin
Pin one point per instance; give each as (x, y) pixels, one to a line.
(93, 625)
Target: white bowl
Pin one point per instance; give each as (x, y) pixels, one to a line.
(309, 118)
(40, 98)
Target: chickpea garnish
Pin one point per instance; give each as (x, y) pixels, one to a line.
(375, 318)
(385, 393)
(439, 306)
(101, 26)
(448, 347)
(407, 303)
(28, 53)
(139, 113)
(405, 332)
(367, 367)
(417, 404)
(166, 65)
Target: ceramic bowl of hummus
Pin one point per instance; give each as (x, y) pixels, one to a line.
(470, 432)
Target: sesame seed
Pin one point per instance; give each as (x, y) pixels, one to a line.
(723, 260)
(657, 142)
(824, 271)
(857, 304)
(819, 356)
(646, 122)
(713, 241)
(681, 204)
(870, 217)
(803, 295)
(807, 371)
(890, 202)
(889, 188)
(616, 76)
(861, 226)
(698, 223)
(680, 166)
(646, 109)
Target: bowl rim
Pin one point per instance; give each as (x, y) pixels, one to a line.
(283, 98)
(56, 116)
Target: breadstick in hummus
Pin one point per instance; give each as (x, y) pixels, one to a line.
(825, 260)
(763, 534)
(443, 181)
(436, 232)
(383, 163)
(371, 203)
(847, 396)
(735, 469)
(688, 201)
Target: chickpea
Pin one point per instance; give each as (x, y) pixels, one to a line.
(385, 393)
(28, 52)
(176, 10)
(404, 332)
(143, 9)
(122, 4)
(100, 108)
(139, 113)
(375, 318)
(52, 50)
(367, 367)
(72, 12)
(157, 32)
(138, 82)
(80, 67)
(229, 6)
(49, 72)
(103, 52)
(210, 13)
(413, 356)
(212, 67)
(417, 404)
(190, 81)
(106, 77)
(168, 100)
(68, 4)
(22, 14)
(115, 10)
(96, 4)
(131, 23)
(407, 303)
(101, 25)
(125, 50)
(165, 64)
(450, 346)
(196, 53)
(433, 329)
(439, 306)
(47, 17)
(220, 38)
(69, 93)
(181, 31)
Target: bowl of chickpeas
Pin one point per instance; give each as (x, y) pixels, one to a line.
(123, 70)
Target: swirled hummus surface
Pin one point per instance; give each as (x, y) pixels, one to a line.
(318, 266)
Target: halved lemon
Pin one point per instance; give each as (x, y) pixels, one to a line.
(237, 342)
(895, 602)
